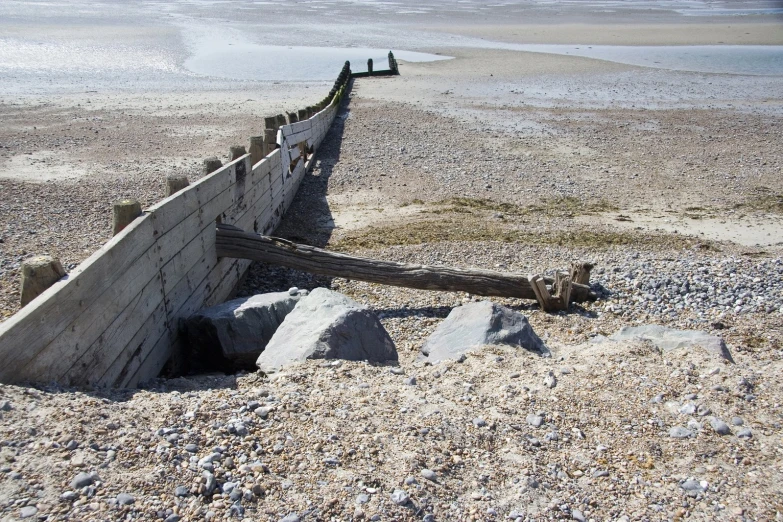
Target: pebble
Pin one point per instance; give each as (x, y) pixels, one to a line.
(479, 422)
(535, 420)
(737, 421)
(410, 381)
(409, 481)
(181, 491)
(81, 480)
(396, 370)
(362, 498)
(69, 496)
(429, 475)
(172, 518)
(577, 515)
(600, 473)
(745, 433)
(550, 381)
(5, 406)
(291, 517)
(720, 427)
(192, 448)
(124, 499)
(678, 432)
(400, 497)
(28, 511)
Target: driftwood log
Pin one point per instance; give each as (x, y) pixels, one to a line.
(232, 242)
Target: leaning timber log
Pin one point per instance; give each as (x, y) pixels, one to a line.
(235, 243)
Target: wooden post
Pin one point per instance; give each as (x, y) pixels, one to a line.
(291, 117)
(175, 183)
(125, 211)
(256, 149)
(302, 114)
(281, 121)
(369, 66)
(270, 134)
(38, 274)
(236, 151)
(211, 165)
(580, 273)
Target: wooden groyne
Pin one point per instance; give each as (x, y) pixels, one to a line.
(115, 319)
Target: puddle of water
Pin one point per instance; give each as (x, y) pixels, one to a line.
(249, 61)
(732, 59)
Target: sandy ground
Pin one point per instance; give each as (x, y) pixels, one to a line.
(501, 160)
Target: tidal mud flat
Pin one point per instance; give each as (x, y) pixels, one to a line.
(669, 181)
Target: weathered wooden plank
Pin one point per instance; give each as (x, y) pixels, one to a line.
(187, 286)
(178, 266)
(113, 342)
(25, 335)
(97, 315)
(177, 207)
(150, 367)
(137, 349)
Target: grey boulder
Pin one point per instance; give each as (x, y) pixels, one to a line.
(327, 325)
(231, 335)
(478, 324)
(670, 339)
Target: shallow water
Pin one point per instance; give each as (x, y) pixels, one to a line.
(730, 59)
(250, 61)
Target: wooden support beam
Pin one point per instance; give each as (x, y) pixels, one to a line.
(232, 242)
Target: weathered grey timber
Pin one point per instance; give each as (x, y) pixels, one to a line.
(236, 151)
(175, 183)
(124, 211)
(327, 325)
(38, 274)
(211, 165)
(235, 243)
(477, 324)
(231, 335)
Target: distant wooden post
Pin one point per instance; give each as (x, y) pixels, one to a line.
(280, 121)
(175, 183)
(236, 151)
(256, 149)
(38, 274)
(302, 114)
(369, 66)
(292, 118)
(270, 134)
(211, 165)
(125, 211)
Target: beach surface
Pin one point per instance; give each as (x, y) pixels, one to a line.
(665, 176)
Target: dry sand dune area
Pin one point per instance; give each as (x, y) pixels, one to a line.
(534, 145)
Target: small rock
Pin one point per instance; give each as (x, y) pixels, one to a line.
(577, 515)
(409, 481)
(291, 517)
(550, 381)
(737, 421)
(81, 480)
(362, 498)
(678, 432)
(28, 511)
(600, 473)
(400, 497)
(720, 427)
(5, 406)
(172, 518)
(396, 370)
(410, 381)
(69, 496)
(745, 433)
(429, 475)
(191, 448)
(181, 491)
(124, 499)
(479, 422)
(535, 420)
(72, 445)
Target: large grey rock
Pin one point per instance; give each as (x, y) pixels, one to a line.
(477, 324)
(327, 325)
(231, 335)
(670, 339)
